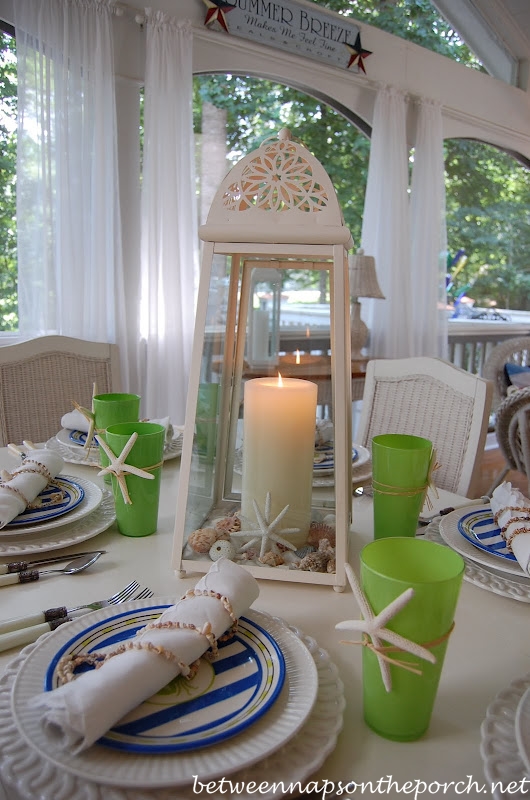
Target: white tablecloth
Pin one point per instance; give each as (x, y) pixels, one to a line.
(488, 648)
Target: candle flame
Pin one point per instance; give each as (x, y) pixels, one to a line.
(298, 356)
(280, 382)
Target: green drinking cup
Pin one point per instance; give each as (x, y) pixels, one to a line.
(110, 409)
(400, 473)
(435, 572)
(140, 517)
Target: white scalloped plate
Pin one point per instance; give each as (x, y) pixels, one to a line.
(498, 748)
(517, 587)
(149, 770)
(75, 454)
(35, 776)
(89, 526)
(522, 730)
(90, 494)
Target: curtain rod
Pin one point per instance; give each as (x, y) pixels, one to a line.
(123, 9)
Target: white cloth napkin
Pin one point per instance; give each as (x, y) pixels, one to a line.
(27, 482)
(75, 421)
(81, 711)
(511, 509)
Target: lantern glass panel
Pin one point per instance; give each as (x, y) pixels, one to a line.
(296, 344)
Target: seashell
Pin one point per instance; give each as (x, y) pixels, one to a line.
(271, 559)
(222, 549)
(202, 539)
(305, 550)
(318, 531)
(314, 562)
(228, 524)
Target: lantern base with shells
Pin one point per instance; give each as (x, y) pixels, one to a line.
(264, 543)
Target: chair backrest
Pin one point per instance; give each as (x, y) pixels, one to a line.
(515, 351)
(431, 398)
(512, 429)
(40, 379)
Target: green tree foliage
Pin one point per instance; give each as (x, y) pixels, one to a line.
(487, 190)
(8, 155)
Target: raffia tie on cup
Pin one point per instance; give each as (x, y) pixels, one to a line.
(118, 467)
(374, 631)
(429, 486)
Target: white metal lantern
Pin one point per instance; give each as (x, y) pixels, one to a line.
(254, 481)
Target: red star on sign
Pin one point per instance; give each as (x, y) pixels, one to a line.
(216, 12)
(358, 54)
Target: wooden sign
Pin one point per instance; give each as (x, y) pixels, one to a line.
(300, 28)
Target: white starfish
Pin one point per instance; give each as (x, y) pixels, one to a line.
(374, 627)
(118, 467)
(265, 529)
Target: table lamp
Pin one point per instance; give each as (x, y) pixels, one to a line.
(363, 283)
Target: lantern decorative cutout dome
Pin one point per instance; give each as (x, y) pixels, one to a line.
(265, 365)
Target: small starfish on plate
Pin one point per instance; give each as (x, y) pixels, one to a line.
(374, 627)
(265, 529)
(118, 467)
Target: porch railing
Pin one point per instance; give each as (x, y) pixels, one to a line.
(471, 341)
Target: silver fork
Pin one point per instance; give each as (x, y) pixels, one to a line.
(52, 614)
(30, 632)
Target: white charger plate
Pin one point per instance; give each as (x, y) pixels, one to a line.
(33, 776)
(451, 534)
(152, 770)
(498, 747)
(516, 587)
(55, 538)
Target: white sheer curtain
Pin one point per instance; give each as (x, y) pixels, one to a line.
(428, 235)
(385, 231)
(169, 218)
(68, 221)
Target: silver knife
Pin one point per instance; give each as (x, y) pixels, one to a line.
(22, 566)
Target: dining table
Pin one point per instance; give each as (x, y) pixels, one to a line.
(489, 649)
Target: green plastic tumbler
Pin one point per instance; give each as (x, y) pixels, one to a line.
(140, 517)
(110, 409)
(400, 472)
(435, 572)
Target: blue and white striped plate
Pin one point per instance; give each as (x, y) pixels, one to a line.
(79, 438)
(479, 528)
(226, 695)
(50, 508)
(324, 458)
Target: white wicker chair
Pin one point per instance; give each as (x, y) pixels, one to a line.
(512, 429)
(516, 351)
(41, 377)
(431, 398)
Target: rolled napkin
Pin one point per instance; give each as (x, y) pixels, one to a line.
(81, 711)
(511, 512)
(19, 488)
(76, 421)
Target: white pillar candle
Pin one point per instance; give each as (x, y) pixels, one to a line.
(279, 418)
